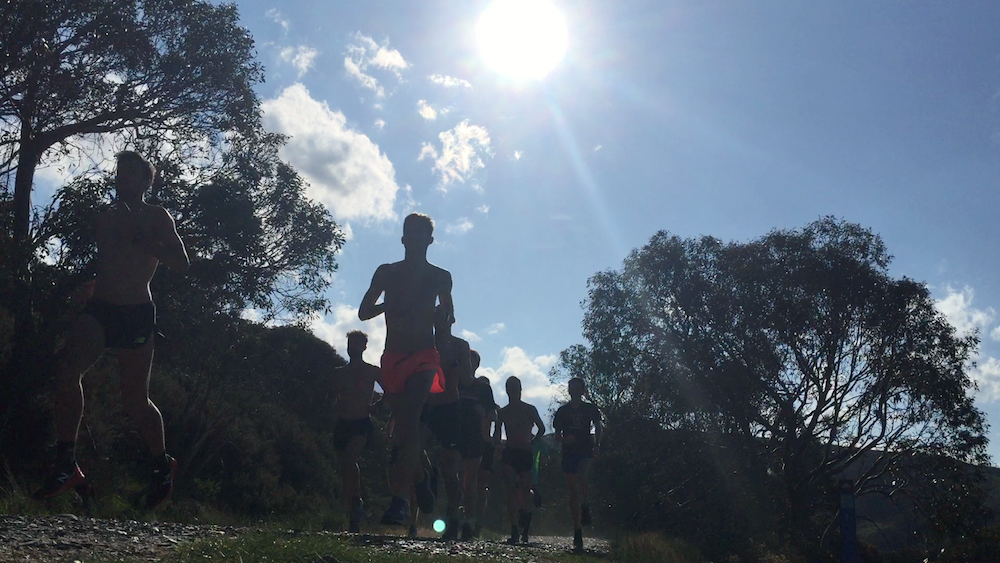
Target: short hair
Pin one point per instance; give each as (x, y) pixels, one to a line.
(512, 380)
(579, 381)
(419, 221)
(357, 334)
(475, 355)
(140, 162)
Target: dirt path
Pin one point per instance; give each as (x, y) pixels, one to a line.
(68, 538)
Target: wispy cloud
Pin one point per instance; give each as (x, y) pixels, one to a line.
(449, 81)
(957, 307)
(535, 385)
(484, 209)
(300, 57)
(461, 227)
(380, 124)
(345, 170)
(363, 53)
(470, 336)
(517, 155)
(426, 110)
(496, 328)
(461, 154)
(274, 15)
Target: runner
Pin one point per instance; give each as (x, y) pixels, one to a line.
(410, 364)
(518, 419)
(485, 473)
(133, 238)
(572, 424)
(353, 387)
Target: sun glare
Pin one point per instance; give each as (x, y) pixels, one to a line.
(522, 39)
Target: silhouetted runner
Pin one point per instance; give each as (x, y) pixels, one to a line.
(410, 364)
(133, 238)
(518, 419)
(352, 390)
(484, 392)
(572, 424)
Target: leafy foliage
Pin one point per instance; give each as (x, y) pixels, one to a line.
(798, 343)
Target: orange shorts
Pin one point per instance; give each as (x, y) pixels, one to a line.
(397, 368)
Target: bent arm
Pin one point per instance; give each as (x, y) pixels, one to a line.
(169, 248)
(598, 429)
(369, 309)
(540, 425)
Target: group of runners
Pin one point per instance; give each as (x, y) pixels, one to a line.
(428, 376)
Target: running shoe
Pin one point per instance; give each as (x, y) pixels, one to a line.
(398, 513)
(578, 541)
(412, 532)
(451, 532)
(425, 494)
(161, 484)
(60, 481)
(512, 540)
(585, 515)
(526, 525)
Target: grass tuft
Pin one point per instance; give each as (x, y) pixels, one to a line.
(653, 547)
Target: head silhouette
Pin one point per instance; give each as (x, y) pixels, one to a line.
(134, 174)
(418, 231)
(513, 388)
(357, 343)
(577, 388)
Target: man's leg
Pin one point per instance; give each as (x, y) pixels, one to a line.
(482, 497)
(573, 483)
(450, 461)
(470, 490)
(84, 345)
(134, 367)
(350, 476)
(511, 483)
(524, 510)
(406, 411)
(583, 485)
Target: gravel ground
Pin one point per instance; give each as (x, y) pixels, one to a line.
(67, 538)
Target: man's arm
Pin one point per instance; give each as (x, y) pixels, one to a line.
(444, 294)
(497, 427)
(369, 309)
(539, 424)
(598, 428)
(167, 245)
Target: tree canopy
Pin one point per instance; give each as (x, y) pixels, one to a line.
(800, 342)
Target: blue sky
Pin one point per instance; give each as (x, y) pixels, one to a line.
(702, 118)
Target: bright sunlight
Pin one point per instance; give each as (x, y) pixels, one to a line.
(522, 39)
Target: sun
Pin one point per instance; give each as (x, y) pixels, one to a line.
(522, 39)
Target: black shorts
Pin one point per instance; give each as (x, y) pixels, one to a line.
(347, 429)
(571, 458)
(125, 326)
(519, 460)
(487, 462)
(456, 427)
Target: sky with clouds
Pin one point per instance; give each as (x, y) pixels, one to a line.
(719, 118)
(702, 118)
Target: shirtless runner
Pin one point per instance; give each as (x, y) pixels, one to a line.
(518, 419)
(133, 237)
(572, 424)
(410, 364)
(353, 386)
(444, 415)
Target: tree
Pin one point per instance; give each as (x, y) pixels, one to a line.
(800, 342)
(179, 72)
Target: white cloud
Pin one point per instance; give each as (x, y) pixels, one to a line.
(380, 124)
(365, 52)
(300, 57)
(449, 81)
(517, 155)
(496, 328)
(470, 336)
(597, 148)
(274, 15)
(995, 333)
(426, 110)
(461, 227)
(957, 307)
(535, 385)
(987, 377)
(346, 170)
(484, 209)
(461, 152)
(343, 318)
